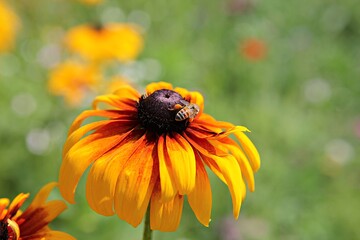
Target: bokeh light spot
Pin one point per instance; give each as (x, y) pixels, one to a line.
(339, 151)
(23, 104)
(317, 90)
(37, 141)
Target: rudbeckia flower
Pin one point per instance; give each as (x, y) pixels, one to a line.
(73, 81)
(103, 42)
(32, 224)
(9, 23)
(153, 149)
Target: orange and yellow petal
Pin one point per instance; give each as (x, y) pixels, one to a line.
(222, 141)
(14, 232)
(200, 198)
(183, 165)
(115, 101)
(17, 203)
(249, 149)
(40, 213)
(200, 132)
(4, 202)
(206, 146)
(57, 235)
(192, 97)
(53, 209)
(50, 235)
(84, 152)
(125, 97)
(165, 216)
(126, 91)
(152, 87)
(231, 172)
(208, 122)
(243, 161)
(227, 165)
(102, 180)
(34, 219)
(95, 113)
(76, 135)
(209, 133)
(167, 182)
(42, 195)
(135, 184)
(103, 175)
(76, 132)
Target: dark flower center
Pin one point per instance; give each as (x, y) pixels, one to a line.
(98, 26)
(4, 234)
(156, 112)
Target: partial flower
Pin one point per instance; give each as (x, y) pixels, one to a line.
(105, 42)
(91, 2)
(152, 149)
(253, 49)
(9, 24)
(32, 224)
(73, 81)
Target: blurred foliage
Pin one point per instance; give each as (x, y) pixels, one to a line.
(301, 100)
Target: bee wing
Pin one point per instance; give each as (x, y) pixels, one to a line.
(197, 108)
(186, 103)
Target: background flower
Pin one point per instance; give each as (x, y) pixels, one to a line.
(253, 49)
(103, 42)
(91, 2)
(73, 81)
(33, 222)
(9, 24)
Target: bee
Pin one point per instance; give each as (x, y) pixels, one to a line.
(189, 111)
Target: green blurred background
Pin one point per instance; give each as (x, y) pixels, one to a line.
(301, 100)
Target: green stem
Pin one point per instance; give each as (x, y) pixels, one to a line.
(147, 231)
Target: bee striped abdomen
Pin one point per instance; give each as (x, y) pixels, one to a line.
(182, 115)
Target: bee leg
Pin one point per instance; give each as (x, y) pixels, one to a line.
(176, 107)
(191, 119)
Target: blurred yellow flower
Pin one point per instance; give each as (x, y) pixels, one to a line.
(143, 156)
(73, 81)
(9, 24)
(111, 41)
(91, 2)
(32, 224)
